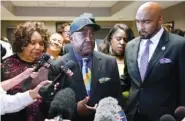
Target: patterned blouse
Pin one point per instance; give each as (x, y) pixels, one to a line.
(11, 67)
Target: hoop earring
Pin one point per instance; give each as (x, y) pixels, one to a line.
(22, 48)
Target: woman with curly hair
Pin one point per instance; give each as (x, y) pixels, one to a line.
(55, 45)
(30, 40)
(64, 30)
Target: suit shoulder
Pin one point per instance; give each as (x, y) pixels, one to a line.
(60, 60)
(132, 42)
(176, 38)
(103, 56)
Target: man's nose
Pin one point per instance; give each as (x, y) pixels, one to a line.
(37, 46)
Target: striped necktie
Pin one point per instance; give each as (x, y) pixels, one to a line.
(86, 72)
(144, 60)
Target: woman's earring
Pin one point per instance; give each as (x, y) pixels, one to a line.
(22, 48)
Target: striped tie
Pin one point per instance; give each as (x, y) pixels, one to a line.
(86, 72)
(144, 60)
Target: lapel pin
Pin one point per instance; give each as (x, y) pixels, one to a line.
(163, 48)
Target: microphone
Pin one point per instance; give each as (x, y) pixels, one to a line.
(180, 113)
(43, 59)
(109, 110)
(167, 117)
(3, 51)
(46, 91)
(63, 104)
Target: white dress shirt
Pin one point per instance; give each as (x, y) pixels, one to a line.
(13, 103)
(154, 42)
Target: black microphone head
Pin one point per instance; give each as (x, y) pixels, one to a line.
(45, 57)
(167, 117)
(63, 104)
(70, 64)
(3, 51)
(180, 112)
(67, 66)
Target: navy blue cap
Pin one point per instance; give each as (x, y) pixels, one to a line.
(81, 22)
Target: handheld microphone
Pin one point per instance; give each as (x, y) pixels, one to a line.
(180, 113)
(109, 110)
(43, 59)
(46, 91)
(3, 51)
(63, 104)
(167, 117)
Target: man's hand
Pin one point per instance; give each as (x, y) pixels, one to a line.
(83, 109)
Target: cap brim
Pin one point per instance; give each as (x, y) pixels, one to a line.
(96, 27)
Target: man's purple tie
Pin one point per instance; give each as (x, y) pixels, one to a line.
(144, 60)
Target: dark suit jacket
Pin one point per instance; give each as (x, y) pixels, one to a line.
(163, 88)
(67, 48)
(102, 66)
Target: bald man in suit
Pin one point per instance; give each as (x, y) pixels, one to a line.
(156, 67)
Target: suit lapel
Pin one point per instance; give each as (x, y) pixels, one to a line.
(135, 49)
(157, 53)
(77, 76)
(96, 67)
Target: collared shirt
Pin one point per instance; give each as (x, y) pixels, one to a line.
(13, 103)
(154, 42)
(79, 58)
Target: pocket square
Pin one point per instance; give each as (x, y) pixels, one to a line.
(104, 79)
(165, 60)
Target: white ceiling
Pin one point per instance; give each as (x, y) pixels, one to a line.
(67, 10)
(63, 3)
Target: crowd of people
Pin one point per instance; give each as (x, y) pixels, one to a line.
(145, 74)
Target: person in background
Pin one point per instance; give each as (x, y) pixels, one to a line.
(90, 81)
(55, 45)
(167, 27)
(115, 42)
(114, 45)
(29, 42)
(178, 32)
(155, 62)
(64, 30)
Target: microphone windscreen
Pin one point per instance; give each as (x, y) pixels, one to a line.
(110, 104)
(167, 117)
(45, 57)
(108, 109)
(70, 64)
(63, 104)
(104, 115)
(180, 112)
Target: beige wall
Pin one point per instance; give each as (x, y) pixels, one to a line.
(12, 24)
(177, 14)
(51, 25)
